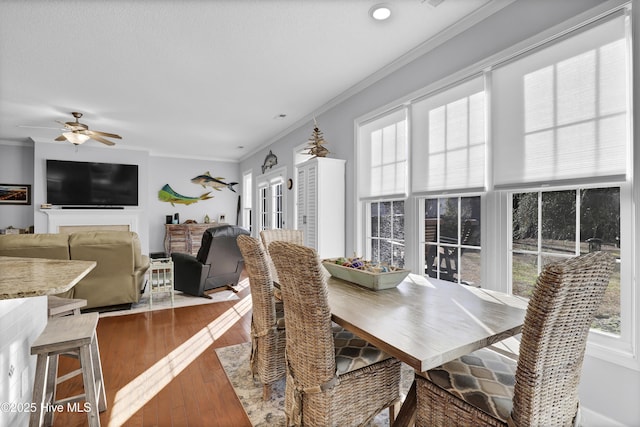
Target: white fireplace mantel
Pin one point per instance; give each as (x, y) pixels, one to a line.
(87, 217)
(133, 218)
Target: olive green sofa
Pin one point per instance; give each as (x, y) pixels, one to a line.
(118, 277)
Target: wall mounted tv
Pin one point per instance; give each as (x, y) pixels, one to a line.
(72, 183)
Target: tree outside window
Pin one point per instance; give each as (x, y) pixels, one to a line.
(387, 232)
(553, 225)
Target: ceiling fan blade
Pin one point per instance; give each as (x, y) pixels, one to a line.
(37, 127)
(100, 139)
(109, 135)
(72, 126)
(61, 138)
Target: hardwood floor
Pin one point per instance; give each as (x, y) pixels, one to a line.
(160, 368)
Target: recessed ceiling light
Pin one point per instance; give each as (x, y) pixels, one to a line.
(380, 12)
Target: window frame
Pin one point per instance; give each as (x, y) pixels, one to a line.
(422, 244)
(369, 238)
(267, 212)
(247, 200)
(618, 349)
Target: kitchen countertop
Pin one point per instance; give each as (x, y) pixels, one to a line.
(31, 277)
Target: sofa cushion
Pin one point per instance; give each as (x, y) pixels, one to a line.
(51, 246)
(113, 281)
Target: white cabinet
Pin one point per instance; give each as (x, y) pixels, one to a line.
(321, 205)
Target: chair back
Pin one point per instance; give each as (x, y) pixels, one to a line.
(559, 315)
(310, 348)
(282, 235)
(220, 249)
(255, 262)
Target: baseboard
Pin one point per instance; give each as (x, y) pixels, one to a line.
(595, 419)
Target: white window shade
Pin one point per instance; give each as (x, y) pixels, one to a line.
(560, 113)
(382, 156)
(448, 139)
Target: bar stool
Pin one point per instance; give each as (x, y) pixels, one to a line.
(64, 335)
(57, 307)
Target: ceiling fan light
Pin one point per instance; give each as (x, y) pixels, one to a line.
(76, 138)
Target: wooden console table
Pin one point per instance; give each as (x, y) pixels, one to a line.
(184, 238)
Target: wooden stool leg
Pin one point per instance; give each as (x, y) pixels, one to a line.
(89, 385)
(42, 362)
(50, 389)
(97, 368)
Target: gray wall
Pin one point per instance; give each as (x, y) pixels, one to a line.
(603, 384)
(16, 167)
(24, 163)
(178, 174)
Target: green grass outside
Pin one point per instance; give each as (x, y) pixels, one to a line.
(525, 273)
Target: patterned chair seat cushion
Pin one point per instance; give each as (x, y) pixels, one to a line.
(352, 352)
(484, 379)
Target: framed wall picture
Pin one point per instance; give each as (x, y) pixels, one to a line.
(15, 194)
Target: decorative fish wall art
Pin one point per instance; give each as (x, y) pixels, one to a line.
(206, 180)
(167, 194)
(270, 161)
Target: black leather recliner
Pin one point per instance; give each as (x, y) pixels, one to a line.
(218, 263)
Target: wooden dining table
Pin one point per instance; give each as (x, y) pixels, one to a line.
(425, 322)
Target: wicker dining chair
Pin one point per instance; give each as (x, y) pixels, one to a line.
(541, 388)
(267, 320)
(334, 378)
(282, 235)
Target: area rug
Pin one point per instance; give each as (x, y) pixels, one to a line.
(235, 361)
(180, 299)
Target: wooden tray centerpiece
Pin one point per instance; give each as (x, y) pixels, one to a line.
(373, 276)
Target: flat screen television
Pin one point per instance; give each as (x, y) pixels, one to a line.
(71, 183)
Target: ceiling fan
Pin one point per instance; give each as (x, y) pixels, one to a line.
(78, 133)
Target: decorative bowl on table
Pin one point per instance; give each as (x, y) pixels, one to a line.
(374, 277)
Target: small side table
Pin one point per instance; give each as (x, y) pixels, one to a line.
(160, 278)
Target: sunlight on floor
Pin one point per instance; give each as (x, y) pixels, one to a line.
(132, 397)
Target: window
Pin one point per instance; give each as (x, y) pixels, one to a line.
(264, 207)
(382, 159)
(561, 139)
(448, 153)
(382, 171)
(452, 239)
(551, 225)
(271, 193)
(448, 145)
(247, 200)
(386, 242)
(561, 112)
(277, 209)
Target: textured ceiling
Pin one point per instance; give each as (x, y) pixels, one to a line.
(201, 78)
